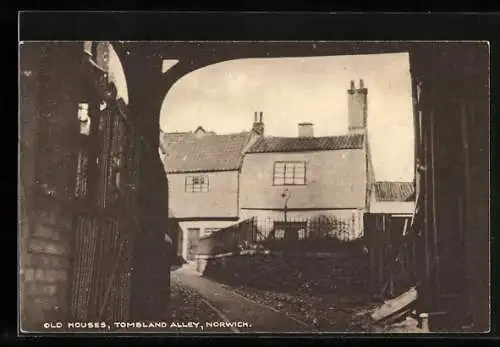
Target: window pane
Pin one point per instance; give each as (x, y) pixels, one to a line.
(279, 180)
(279, 166)
(197, 184)
(298, 181)
(299, 173)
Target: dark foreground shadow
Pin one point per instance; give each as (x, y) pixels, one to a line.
(342, 273)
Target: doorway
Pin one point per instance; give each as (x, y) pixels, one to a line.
(192, 239)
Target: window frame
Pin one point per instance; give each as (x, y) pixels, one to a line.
(193, 185)
(303, 162)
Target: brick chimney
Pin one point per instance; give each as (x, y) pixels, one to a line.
(357, 107)
(306, 129)
(258, 125)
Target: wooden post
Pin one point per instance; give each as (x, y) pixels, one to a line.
(370, 241)
(435, 238)
(464, 204)
(425, 289)
(390, 251)
(381, 252)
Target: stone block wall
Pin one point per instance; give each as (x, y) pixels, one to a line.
(45, 266)
(49, 91)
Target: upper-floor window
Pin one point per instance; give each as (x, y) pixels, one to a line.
(287, 173)
(197, 184)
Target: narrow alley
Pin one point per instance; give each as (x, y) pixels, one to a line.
(226, 306)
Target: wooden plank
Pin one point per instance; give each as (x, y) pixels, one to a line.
(434, 202)
(394, 306)
(380, 250)
(371, 250)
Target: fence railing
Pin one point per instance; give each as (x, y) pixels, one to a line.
(319, 233)
(320, 227)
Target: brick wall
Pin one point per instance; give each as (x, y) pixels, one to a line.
(45, 271)
(47, 100)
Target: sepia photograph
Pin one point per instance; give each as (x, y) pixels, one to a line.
(234, 187)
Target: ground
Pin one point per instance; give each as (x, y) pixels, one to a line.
(326, 313)
(249, 315)
(202, 299)
(188, 306)
(272, 311)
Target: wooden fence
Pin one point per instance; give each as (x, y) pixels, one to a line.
(392, 248)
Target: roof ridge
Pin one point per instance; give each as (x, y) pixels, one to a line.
(392, 181)
(298, 144)
(177, 132)
(312, 137)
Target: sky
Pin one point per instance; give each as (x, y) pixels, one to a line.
(117, 75)
(223, 98)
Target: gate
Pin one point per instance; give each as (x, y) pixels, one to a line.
(102, 269)
(105, 205)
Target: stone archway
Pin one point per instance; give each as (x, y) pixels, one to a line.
(142, 63)
(147, 86)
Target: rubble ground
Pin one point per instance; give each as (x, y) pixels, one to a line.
(333, 312)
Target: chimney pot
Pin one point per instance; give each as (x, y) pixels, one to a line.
(255, 116)
(357, 108)
(258, 126)
(260, 119)
(306, 129)
(352, 85)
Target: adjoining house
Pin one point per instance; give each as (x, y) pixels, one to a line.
(306, 177)
(203, 170)
(216, 180)
(394, 198)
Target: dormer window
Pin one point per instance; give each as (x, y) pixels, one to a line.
(199, 131)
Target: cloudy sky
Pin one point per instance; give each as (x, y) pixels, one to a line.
(223, 98)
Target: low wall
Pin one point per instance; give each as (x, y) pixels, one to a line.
(289, 272)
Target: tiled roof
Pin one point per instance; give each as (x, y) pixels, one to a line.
(394, 191)
(185, 152)
(299, 144)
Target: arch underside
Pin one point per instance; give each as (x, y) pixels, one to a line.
(192, 56)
